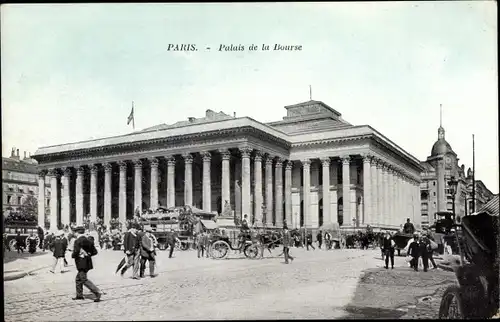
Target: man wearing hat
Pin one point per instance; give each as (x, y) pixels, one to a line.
(131, 244)
(83, 251)
(147, 253)
(60, 245)
(414, 252)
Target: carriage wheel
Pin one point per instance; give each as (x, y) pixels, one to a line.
(219, 249)
(251, 251)
(342, 243)
(452, 306)
(12, 244)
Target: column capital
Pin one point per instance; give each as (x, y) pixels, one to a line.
(269, 160)
(188, 158)
(80, 170)
(170, 160)
(258, 156)
(225, 153)
(306, 163)
(245, 151)
(122, 165)
(289, 165)
(326, 162)
(66, 171)
(207, 156)
(137, 164)
(346, 160)
(107, 167)
(53, 173)
(367, 157)
(41, 174)
(279, 162)
(93, 168)
(153, 162)
(380, 164)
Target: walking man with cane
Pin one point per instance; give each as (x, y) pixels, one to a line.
(287, 241)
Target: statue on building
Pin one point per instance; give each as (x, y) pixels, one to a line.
(227, 211)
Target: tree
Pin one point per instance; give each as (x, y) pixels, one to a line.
(29, 206)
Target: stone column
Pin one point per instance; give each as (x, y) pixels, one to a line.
(374, 191)
(207, 193)
(188, 179)
(65, 198)
(288, 195)
(258, 189)
(380, 193)
(269, 191)
(153, 190)
(346, 189)
(367, 190)
(278, 191)
(41, 199)
(398, 199)
(385, 203)
(245, 181)
(54, 198)
(137, 186)
(122, 195)
(93, 193)
(170, 181)
(226, 178)
(327, 217)
(306, 170)
(392, 194)
(80, 172)
(107, 193)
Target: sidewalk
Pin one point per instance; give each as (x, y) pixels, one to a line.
(20, 265)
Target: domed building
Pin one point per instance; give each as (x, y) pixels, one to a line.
(435, 192)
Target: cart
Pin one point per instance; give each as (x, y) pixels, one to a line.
(336, 233)
(476, 295)
(226, 240)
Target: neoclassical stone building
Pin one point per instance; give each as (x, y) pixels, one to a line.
(310, 169)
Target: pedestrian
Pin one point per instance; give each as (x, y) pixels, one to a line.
(131, 247)
(60, 246)
(309, 241)
(424, 247)
(40, 237)
(328, 241)
(171, 240)
(287, 242)
(32, 243)
(20, 243)
(431, 248)
(200, 244)
(319, 238)
(147, 254)
(388, 247)
(83, 251)
(414, 252)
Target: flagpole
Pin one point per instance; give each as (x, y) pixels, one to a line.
(133, 116)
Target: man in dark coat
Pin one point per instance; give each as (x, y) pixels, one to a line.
(171, 240)
(319, 238)
(408, 227)
(20, 243)
(131, 246)
(309, 241)
(388, 249)
(287, 242)
(414, 252)
(83, 251)
(40, 236)
(60, 245)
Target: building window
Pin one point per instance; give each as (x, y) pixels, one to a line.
(425, 207)
(434, 193)
(9, 199)
(48, 202)
(434, 183)
(434, 205)
(19, 200)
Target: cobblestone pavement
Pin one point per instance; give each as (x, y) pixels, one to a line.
(318, 284)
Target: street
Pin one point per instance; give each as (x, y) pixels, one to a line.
(318, 284)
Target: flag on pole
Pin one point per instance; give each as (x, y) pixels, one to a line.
(131, 117)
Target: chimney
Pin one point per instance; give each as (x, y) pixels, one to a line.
(13, 152)
(191, 119)
(234, 114)
(24, 155)
(17, 153)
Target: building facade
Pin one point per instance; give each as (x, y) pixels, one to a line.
(20, 181)
(435, 192)
(309, 169)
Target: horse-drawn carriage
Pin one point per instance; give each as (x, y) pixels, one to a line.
(476, 296)
(225, 240)
(337, 237)
(25, 228)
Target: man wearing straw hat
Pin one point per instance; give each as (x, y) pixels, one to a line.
(147, 253)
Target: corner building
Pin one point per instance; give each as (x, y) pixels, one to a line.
(309, 169)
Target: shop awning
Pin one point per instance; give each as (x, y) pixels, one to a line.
(209, 224)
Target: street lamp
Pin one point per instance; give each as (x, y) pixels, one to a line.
(453, 189)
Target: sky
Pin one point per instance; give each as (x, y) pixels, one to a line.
(70, 72)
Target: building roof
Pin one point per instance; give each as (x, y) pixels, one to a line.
(427, 166)
(492, 206)
(441, 147)
(10, 164)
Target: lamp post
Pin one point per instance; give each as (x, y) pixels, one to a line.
(453, 189)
